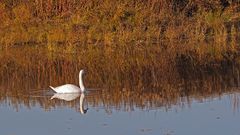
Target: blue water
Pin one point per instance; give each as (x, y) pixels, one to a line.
(215, 116)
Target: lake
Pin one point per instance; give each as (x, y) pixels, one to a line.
(137, 92)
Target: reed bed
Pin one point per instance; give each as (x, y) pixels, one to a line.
(130, 80)
(118, 21)
(155, 51)
(208, 29)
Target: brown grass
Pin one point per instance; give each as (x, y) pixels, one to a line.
(124, 45)
(117, 21)
(131, 80)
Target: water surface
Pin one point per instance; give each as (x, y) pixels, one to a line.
(130, 97)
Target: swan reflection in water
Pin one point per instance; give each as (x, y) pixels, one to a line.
(71, 97)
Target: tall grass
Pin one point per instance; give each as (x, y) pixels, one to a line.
(105, 21)
(131, 79)
(208, 29)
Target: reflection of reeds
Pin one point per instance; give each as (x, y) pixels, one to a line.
(143, 77)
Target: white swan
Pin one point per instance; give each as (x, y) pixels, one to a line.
(66, 96)
(70, 88)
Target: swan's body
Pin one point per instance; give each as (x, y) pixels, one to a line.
(70, 88)
(67, 88)
(66, 97)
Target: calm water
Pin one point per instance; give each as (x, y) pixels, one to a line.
(128, 97)
(211, 116)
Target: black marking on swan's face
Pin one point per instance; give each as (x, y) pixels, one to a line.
(82, 71)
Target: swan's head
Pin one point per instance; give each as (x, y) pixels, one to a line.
(82, 72)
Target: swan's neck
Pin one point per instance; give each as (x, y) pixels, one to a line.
(81, 82)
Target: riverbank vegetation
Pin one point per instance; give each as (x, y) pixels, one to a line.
(111, 21)
(185, 31)
(132, 81)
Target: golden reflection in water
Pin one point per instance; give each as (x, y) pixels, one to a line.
(126, 82)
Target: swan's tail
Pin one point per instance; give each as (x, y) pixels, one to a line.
(53, 88)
